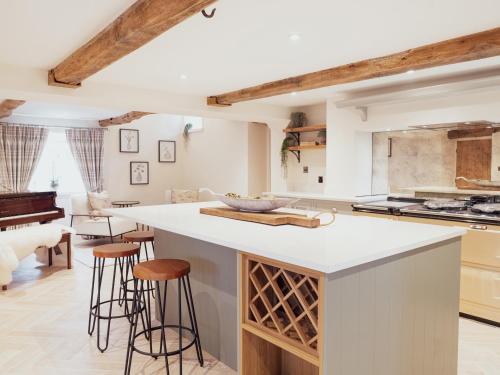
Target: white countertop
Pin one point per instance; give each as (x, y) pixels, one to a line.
(450, 189)
(348, 242)
(326, 197)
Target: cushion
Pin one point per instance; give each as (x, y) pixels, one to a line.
(80, 204)
(98, 201)
(184, 196)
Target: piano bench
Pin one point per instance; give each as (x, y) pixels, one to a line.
(66, 238)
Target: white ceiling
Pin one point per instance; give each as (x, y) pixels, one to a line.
(247, 42)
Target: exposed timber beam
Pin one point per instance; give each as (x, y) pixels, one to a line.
(8, 106)
(140, 23)
(465, 48)
(123, 119)
(471, 132)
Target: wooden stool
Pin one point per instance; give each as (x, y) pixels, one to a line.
(141, 237)
(123, 255)
(162, 270)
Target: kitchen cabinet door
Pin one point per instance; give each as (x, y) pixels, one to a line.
(480, 247)
(480, 293)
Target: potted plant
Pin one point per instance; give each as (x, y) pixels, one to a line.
(187, 128)
(297, 120)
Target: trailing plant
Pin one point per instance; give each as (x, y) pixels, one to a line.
(298, 120)
(187, 128)
(287, 142)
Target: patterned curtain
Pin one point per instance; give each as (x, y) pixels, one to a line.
(20, 150)
(87, 147)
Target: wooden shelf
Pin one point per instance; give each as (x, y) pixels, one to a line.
(312, 128)
(306, 147)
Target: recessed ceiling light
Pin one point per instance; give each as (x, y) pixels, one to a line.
(183, 76)
(294, 37)
(293, 93)
(411, 71)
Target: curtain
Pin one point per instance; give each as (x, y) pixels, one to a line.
(87, 147)
(20, 150)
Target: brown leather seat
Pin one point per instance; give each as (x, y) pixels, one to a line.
(161, 269)
(116, 250)
(139, 236)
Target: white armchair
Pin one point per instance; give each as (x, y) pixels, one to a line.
(87, 223)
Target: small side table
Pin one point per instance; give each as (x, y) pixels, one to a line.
(122, 204)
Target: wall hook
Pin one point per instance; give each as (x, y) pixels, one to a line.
(207, 15)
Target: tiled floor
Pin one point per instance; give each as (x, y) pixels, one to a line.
(43, 318)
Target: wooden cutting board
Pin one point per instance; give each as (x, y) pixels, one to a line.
(269, 218)
(474, 162)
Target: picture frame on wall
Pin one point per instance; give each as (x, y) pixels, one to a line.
(166, 151)
(129, 140)
(139, 173)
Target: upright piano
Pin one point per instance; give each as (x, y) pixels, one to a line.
(24, 208)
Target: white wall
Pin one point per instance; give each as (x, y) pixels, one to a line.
(258, 158)
(346, 166)
(215, 158)
(315, 160)
(161, 175)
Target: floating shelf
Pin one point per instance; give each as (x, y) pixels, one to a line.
(304, 129)
(306, 147)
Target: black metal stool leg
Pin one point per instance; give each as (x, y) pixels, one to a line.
(179, 292)
(192, 318)
(98, 302)
(163, 306)
(89, 331)
(133, 327)
(110, 312)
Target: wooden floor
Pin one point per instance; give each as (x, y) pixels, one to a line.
(43, 330)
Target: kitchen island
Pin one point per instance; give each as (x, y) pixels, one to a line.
(361, 296)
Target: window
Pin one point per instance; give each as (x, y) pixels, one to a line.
(56, 169)
(196, 122)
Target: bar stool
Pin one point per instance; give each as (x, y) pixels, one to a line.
(123, 255)
(162, 270)
(142, 237)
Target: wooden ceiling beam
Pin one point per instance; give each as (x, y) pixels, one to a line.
(8, 106)
(140, 23)
(123, 119)
(465, 48)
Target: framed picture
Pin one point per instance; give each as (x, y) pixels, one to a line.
(129, 140)
(166, 151)
(139, 173)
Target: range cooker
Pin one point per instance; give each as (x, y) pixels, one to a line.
(470, 210)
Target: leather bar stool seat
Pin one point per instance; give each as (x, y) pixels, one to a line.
(139, 236)
(116, 250)
(162, 269)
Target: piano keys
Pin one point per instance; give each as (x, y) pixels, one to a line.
(25, 208)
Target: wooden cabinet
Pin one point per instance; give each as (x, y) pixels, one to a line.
(480, 293)
(480, 275)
